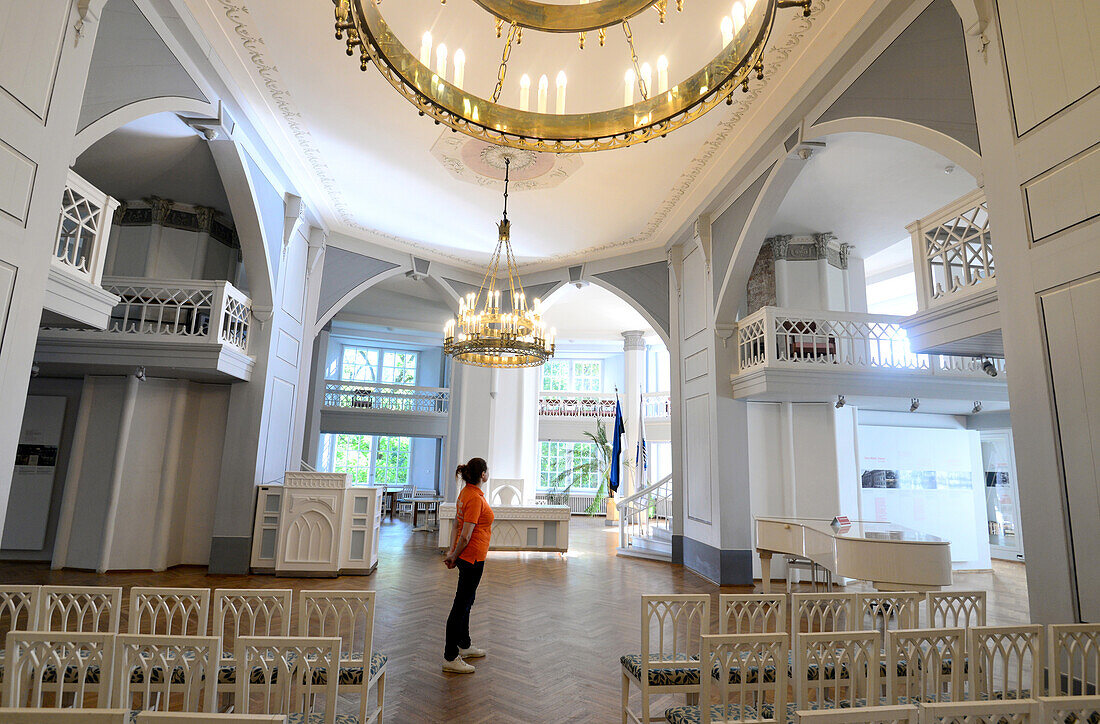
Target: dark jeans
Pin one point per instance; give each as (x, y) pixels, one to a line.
(458, 623)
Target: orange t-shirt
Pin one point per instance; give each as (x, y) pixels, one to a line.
(472, 507)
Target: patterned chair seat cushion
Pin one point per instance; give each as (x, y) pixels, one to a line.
(1005, 695)
(319, 718)
(351, 674)
(694, 714)
(673, 676)
(751, 673)
(156, 675)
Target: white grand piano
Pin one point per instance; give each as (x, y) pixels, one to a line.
(891, 557)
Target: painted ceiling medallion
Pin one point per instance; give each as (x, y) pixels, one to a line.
(483, 164)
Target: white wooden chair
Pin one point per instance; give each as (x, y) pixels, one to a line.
(1062, 709)
(896, 714)
(742, 613)
(247, 612)
(177, 717)
(169, 611)
(348, 615)
(1073, 657)
(955, 609)
(286, 677)
(836, 669)
(407, 491)
(79, 609)
(75, 670)
(978, 712)
(888, 611)
(18, 612)
(672, 631)
(920, 665)
(29, 715)
(755, 690)
(1004, 662)
(166, 672)
(822, 612)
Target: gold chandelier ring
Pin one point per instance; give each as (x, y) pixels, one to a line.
(560, 133)
(557, 18)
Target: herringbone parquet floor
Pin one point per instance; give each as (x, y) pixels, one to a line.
(554, 626)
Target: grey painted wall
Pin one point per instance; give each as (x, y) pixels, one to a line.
(343, 271)
(647, 285)
(725, 230)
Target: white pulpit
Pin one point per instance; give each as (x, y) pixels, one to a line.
(316, 524)
(518, 527)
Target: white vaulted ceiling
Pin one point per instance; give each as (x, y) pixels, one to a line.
(364, 158)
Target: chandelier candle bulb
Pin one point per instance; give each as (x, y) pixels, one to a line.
(441, 60)
(460, 68)
(662, 74)
(727, 31)
(524, 92)
(544, 83)
(738, 16)
(561, 92)
(426, 50)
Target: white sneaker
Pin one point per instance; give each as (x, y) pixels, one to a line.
(471, 653)
(458, 666)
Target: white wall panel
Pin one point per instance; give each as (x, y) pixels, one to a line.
(1064, 196)
(281, 419)
(1069, 315)
(30, 48)
(697, 453)
(694, 299)
(7, 288)
(16, 182)
(1053, 53)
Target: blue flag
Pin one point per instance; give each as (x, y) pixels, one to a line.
(616, 446)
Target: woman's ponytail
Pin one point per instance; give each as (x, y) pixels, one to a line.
(472, 471)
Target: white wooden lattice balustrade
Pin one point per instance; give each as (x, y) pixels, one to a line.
(655, 405)
(953, 251)
(383, 397)
(83, 229)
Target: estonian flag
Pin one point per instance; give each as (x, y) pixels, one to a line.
(616, 446)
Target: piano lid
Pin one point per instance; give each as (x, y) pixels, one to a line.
(870, 530)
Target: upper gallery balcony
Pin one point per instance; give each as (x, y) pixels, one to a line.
(806, 355)
(185, 328)
(956, 282)
(73, 291)
(371, 408)
(567, 415)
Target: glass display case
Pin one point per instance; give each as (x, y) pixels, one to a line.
(1001, 496)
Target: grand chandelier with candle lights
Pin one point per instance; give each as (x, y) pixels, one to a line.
(438, 90)
(491, 332)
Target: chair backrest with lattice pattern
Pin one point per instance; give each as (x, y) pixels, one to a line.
(756, 680)
(286, 675)
(742, 613)
(841, 667)
(1062, 709)
(925, 664)
(978, 712)
(1073, 656)
(348, 615)
(887, 611)
(169, 611)
(1005, 662)
(955, 609)
(672, 628)
(166, 672)
(250, 612)
(55, 668)
(18, 609)
(896, 714)
(822, 612)
(79, 609)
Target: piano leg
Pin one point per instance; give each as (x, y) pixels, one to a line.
(766, 571)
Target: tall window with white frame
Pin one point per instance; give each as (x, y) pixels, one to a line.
(562, 464)
(572, 375)
(371, 459)
(371, 364)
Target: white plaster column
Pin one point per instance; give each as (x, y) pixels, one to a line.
(160, 208)
(205, 217)
(633, 381)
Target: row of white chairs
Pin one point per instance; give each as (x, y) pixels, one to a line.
(897, 662)
(1043, 710)
(185, 612)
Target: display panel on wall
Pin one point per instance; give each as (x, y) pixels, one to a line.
(929, 480)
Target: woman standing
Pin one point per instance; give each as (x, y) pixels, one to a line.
(469, 545)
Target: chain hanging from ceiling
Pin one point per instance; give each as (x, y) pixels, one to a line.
(661, 110)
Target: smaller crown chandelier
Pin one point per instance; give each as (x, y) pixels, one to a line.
(484, 334)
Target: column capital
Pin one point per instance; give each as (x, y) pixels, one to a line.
(633, 339)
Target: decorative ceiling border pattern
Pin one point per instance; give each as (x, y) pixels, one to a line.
(253, 45)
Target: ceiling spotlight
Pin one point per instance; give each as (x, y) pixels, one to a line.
(915, 403)
(839, 401)
(988, 367)
(949, 169)
(139, 372)
(977, 407)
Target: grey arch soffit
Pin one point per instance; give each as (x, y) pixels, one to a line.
(923, 77)
(343, 271)
(726, 229)
(131, 63)
(647, 285)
